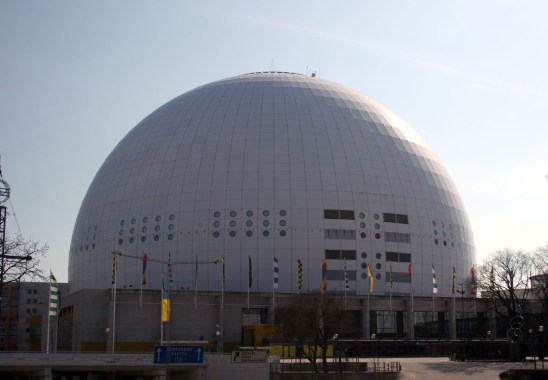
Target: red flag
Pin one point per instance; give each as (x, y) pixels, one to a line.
(144, 271)
(409, 269)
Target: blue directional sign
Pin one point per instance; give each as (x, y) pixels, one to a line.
(179, 354)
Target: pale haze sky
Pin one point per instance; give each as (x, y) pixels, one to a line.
(470, 76)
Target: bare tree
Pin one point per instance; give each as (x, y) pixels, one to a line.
(311, 320)
(539, 290)
(504, 278)
(22, 259)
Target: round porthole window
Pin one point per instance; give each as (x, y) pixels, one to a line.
(364, 255)
(363, 235)
(233, 213)
(283, 233)
(266, 233)
(216, 214)
(216, 234)
(362, 215)
(249, 233)
(232, 233)
(282, 213)
(249, 213)
(266, 213)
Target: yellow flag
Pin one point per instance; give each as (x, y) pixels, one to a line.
(166, 305)
(371, 281)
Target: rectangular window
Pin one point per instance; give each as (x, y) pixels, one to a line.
(389, 218)
(331, 214)
(392, 256)
(347, 214)
(339, 214)
(405, 257)
(395, 218)
(340, 234)
(348, 255)
(402, 219)
(397, 237)
(334, 254)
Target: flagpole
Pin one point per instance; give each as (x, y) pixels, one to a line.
(249, 279)
(345, 283)
(275, 281)
(390, 287)
(49, 307)
(114, 253)
(196, 284)
(144, 259)
(162, 313)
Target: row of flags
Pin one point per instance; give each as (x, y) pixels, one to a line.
(276, 274)
(275, 281)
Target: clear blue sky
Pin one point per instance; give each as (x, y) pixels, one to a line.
(470, 76)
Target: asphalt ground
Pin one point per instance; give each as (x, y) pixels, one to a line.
(443, 368)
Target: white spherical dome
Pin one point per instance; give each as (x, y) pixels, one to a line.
(268, 165)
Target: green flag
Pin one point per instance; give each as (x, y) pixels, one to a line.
(53, 297)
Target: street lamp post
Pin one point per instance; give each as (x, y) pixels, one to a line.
(541, 345)
(376, 355)
(461, 292)
(218, 337)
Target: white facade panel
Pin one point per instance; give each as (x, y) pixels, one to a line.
(251, 166)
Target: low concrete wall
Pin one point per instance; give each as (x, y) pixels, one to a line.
(221, 368)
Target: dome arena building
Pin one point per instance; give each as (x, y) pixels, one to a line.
(271, 167)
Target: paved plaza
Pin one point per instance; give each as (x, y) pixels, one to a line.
(443, 368)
